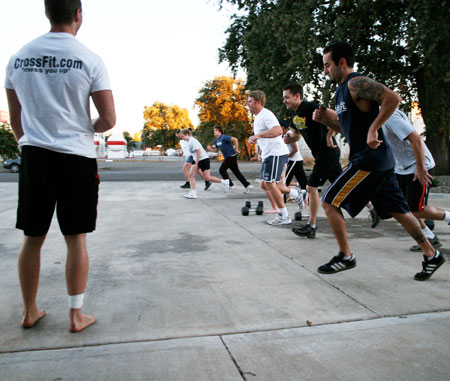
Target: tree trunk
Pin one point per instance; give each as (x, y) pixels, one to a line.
(434, 103)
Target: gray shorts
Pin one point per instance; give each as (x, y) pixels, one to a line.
(272, 168)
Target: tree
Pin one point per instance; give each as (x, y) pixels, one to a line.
(9, 148)
(399, 43)
(161, 123)
(131, 144)
(222, 101)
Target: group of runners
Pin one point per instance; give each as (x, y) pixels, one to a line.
(50, 118)
(389, 171)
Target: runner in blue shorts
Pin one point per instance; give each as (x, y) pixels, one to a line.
(274, 152)
(370, 175)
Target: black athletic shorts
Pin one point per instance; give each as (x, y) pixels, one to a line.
(204, 165)
(354, 188)
(415, 193)
(51, 179)
(326, 167)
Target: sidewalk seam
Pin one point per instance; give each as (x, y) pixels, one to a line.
(224, 334)
(241, 372)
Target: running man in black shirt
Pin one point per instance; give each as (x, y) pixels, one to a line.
(327, 166)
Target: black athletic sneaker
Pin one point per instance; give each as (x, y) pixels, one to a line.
(186, 186)
(429, 266)
(337, 264)
(207, 184)
(434, 242)
(305, 231)
(375, 218)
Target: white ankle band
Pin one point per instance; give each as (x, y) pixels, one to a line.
(76, 301)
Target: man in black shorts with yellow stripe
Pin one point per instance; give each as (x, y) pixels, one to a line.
(327, 166)
(370, 173)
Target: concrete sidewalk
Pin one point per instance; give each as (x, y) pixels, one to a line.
(191, 290)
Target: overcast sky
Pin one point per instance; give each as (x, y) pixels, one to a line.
(153, 50)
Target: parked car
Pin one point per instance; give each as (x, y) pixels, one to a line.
(12, 164)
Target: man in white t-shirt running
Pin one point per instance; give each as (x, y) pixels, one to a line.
(274, 152)
(48, 85)
(202, 165)
(414, 169)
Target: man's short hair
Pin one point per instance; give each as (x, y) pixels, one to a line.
(61, 11)
(258, 95)
(341, 50)
(294, 88)
(185, 132)
(219, 128)
(284, 123)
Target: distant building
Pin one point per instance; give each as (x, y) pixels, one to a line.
(4, 116)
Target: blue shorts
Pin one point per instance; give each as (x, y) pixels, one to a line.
(272, 168)
(190, 159)
(354, 188)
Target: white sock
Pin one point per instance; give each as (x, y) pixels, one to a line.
(293, 193)
(193, 192)
(371, 207)
(428, 233)
(349, 258)
(283, 212)
(447, 216)
(76, 301)
(225, 182)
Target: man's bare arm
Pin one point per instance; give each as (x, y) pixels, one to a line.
(104, 103)
(290, 138)
(272, 133)
(363, 90)
(327, 117)
(15, 109)
(419, 153)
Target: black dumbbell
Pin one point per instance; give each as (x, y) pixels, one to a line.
(259, 210)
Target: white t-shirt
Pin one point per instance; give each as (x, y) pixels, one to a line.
(296, 156)
(396, 130)
(184, 144)
(53, 77)
(264, 121)
(194, 145)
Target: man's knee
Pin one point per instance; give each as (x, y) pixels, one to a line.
(327, 207)
(311, 189)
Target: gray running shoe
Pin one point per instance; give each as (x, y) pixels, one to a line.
(279, 220)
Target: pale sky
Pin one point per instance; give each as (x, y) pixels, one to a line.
(154, 50)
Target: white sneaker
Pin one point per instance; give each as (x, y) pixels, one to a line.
(232, 187)
(247, 190)
(190, 195)
(279, 220)
(226, 186)
(300, 199)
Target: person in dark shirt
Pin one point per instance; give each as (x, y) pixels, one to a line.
(327, 166)
(362, 107)
(229, 147)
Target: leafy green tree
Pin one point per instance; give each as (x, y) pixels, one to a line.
(9, 148)
(131, 144)
(402, 44)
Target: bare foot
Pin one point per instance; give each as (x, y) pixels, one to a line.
(30, 319)
(80, 321)
(271, 211)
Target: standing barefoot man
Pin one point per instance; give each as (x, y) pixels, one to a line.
(48, 86)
